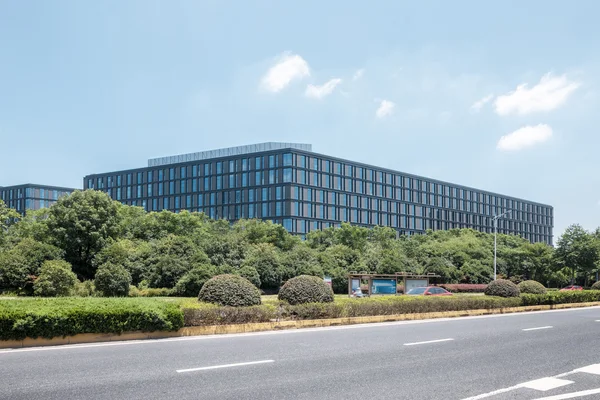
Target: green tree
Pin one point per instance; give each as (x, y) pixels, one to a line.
(56, 279)
(190, 284)
(82, 224)
(170, 258)
(112, 280)
(255, 231)
(265, 259)
(21, 265)
(131, 254)
(8, 216)
(577, 250)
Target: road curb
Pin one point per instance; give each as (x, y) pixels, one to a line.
(273, 326)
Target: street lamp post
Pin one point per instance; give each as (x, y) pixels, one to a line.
(496, 217)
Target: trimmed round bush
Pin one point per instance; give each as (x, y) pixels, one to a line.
(56, 279)
(502, 288)
(230, 290)
(596, 286)
(531, 287)
(112, 280)
(306, 289)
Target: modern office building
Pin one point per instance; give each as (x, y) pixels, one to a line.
(31, 197)
(305, 191)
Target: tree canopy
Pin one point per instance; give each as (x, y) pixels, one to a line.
(182, 250)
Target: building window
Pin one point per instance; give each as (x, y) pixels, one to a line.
(287, 224)
(287, 160)
(171, 173)
(171, 187)
(287, 175)
(182, 186)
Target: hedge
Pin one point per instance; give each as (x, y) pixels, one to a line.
(200, 314)
(465, 288)
(550, 298)
(56, 317)
(59, 317)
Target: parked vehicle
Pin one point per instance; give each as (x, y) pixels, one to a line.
(428, 291)
(571, 287)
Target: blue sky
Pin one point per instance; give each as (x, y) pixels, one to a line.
(498, 95)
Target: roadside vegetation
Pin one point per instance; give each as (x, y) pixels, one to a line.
(91, 264)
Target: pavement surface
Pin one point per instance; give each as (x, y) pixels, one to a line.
(548, 355)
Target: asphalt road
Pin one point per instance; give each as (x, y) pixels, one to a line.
(494, 357)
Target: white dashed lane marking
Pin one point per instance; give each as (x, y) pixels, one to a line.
(538, 328)
(428, 342)
(225, 366)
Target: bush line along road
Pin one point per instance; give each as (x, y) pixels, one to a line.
(513, 356)
(48, 318)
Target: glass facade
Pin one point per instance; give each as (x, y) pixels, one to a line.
(32, 197)
(305, 191)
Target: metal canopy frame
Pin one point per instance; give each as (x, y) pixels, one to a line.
(369, 277)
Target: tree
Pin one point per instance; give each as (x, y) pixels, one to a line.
(112, 280)
(170, 258)
(21, 265)
(131, 254)
(577, 250)
(8, 216)
(82, 224)
(190, 284)
(266, 260)
(256, 231)
(56, 279)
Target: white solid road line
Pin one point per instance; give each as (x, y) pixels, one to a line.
(573, 395)
(427, 342)
(289, 332)
(538, 328)
(225, 366)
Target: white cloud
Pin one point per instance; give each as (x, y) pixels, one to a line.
(358, 74)
(551, 93)
(386, 107)
(481, 102)
(318, 92)
(289, 67)
(526, 136)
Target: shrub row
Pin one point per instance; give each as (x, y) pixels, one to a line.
(465, 288)
(201, 314)
(48, 318)
(556, 297)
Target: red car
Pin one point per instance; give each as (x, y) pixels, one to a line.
(429, 291)
(571, 287)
